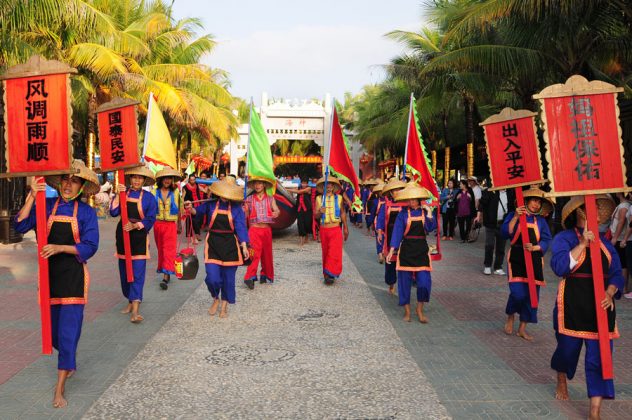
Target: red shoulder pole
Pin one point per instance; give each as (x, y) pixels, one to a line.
(129, 271)
(44, 286)
(598, 284)
(524, 233)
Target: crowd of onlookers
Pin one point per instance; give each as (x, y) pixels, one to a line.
(474, 207)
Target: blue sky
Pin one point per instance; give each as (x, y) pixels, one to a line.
(302, 49)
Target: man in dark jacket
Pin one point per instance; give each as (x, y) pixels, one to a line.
(492, 209)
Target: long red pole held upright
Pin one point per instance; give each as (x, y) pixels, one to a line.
(44, 287)
(129, 271)
(599, 288)
(524, 233)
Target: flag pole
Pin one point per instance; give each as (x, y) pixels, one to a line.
(327, 156)
(146, 139)
(410, 112)
(248, 151)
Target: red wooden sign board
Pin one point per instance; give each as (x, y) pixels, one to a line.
(512, 149)
(37, 113)
(118, 134)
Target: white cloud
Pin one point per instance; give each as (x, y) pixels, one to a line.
(306, 61)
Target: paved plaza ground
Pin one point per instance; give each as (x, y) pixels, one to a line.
(294, 349)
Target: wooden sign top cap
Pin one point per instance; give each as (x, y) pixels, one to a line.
(115, 103)
(37, 65)
(577, 86)
(508, 114)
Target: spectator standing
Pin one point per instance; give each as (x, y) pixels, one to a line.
(465, 209)
(448, 209)
(492, 209)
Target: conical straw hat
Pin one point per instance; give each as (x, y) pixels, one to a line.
(393, 184)
(547, 202)
(228, 190)
(253, 179)
(141, 170)
(605, 207)
(378, 188)
(167, 171)
(412, 191)
(91, 185)
(330, 180)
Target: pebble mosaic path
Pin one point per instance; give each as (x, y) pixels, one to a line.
(294, 349)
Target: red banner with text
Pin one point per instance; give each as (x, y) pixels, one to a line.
(118, 136)
(37, 124)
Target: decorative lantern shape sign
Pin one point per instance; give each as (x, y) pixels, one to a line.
(585, 157)
(118, 134)
(512, 149)
(584, 150)
(37, 114)
(514, 161)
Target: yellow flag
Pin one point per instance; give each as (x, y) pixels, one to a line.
(158, 147)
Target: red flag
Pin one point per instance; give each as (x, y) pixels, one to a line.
(339, 161)
(416, 159)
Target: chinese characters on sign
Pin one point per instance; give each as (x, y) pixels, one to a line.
(512, 151)
(297, 159)
(37, 114)
(36, 120)
(118, 134)
(585, 147)
(512, 148)
(583, 138)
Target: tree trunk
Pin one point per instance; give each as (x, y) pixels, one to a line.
(444, 118)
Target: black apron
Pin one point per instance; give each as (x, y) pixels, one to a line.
(222, 245)
(68, 278)
(515, 259)
(390, 214)
(577, 315)
(414, 253)
(139, 240)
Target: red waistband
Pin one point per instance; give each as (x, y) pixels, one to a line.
(220, 231)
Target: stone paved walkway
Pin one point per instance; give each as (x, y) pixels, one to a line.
(477, 370)
(294, 349)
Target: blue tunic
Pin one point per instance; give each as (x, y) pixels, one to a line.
(149, 206)
(220, 279)
(86, 219)
(405, 279)
(67, 319)
(566, 355)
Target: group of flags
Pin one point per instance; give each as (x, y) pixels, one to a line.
(158, 150)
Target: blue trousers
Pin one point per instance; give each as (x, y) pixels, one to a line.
(220, 281)
(390, 273)
(519, 302)
(378, 246)
(66, 322)
(566, 357)
(133, 291)
(405, 282)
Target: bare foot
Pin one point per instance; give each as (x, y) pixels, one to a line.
(223, 313)
(213, 309)
(420, 314)
(561, 390)
(595, 408)
(136, 319)
(59, 401)
(391, 289)
(524, 335)
(407, 313)
(509, 325)
(127, 309)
